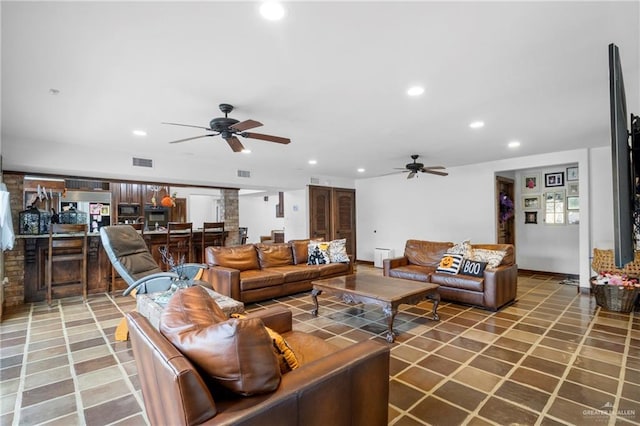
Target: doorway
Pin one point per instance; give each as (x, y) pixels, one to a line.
(506, 206)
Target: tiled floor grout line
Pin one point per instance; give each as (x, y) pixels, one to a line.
(132, 389)
(23, 372)
(625, 355)
(74, 376)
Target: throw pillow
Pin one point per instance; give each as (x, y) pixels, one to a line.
(463, 248)
(338, 251)
(450, 263)
(286, 358)
(318, 253)
(492, 257)
(235, 353)
(473, 268)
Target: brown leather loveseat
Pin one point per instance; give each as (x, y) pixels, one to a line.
(254, 272)
(331, 386)
(496, 287)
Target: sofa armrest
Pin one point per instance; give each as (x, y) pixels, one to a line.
(500, 285)
(225, 281)
(277, 318)
(350, 386)
(394, 262)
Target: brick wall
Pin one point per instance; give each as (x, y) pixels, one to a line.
(14, 259)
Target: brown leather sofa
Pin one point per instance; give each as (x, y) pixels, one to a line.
(497, 287)
(332, 386)
(255, 272)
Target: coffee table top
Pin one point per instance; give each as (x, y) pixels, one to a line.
(375, 286)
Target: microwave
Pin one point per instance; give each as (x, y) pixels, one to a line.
(159, 215)
(129, 210)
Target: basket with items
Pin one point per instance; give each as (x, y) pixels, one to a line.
(615, 289)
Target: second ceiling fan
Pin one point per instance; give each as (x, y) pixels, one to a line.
(230, 128)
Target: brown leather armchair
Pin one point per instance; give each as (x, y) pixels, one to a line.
(347, 387)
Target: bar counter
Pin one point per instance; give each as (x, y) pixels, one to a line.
(66, 275)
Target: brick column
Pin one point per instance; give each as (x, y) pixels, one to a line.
(14, 259)
(231, 216)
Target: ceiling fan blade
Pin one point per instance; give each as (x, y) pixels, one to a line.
(411, 175)
(189, 139)
(435, 172)
(235, 144)
(189, 125)
(434, 167)
(246, 125)
(269, 138)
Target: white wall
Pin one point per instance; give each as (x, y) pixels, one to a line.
(296, 214)
(392, 209)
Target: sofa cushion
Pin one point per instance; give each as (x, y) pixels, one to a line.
(318, 253)
(296, 273)
(465, 282)
(308, 347)
(463, 248)
(256, 278)
(332, 269)
(242, 258)
(426, 253)
(271, 255)
(508, 249)
(412, 272)
(300, 251)
(492, 257)
(235, 353)
(450, 263)
(338, 251)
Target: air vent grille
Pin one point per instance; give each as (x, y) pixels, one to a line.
(315, 181)
(142, 162)
(244, 173)
(86, 184)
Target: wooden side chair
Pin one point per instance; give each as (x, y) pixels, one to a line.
(67, 243)
(180, 241)
(212, 235)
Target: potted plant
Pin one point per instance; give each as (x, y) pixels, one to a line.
(616, 292)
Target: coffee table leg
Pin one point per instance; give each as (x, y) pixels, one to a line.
(390, 313)
(435, 298)
(314, 296)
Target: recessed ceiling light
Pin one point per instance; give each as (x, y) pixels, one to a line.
(514, 144)
(140, 133)
(476, 124)
(246, 151)
(360, 170)
(313, 162)
(272, 10)
(415, 91)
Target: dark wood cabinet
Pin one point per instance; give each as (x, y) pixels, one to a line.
(332, 214)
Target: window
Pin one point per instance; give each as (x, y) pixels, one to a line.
(554, 207)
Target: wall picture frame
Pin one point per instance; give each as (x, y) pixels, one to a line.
(572, 173)
(573, 189)
(573, 203)
(531, 202)
(531, 183)
(530, 217)
(553, 179)
(573, 217)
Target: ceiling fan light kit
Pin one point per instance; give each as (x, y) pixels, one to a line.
(228, 128)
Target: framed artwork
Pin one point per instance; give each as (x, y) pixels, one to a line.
(531, 183)
(572, 173)
(554, 179)
(573, 217)
(105, 210)
(95, 208)
(573, 203)
(531, 202)
(573, 189)
(530, 217)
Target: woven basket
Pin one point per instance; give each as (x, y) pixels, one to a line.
(616, 298)
(603, 262)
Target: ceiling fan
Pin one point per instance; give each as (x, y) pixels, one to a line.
(230, 128)
(415, 167)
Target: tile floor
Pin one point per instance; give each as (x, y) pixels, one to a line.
(551, 358)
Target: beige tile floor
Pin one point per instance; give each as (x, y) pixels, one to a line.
(553, 357)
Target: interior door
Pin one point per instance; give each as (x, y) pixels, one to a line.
(320, 212)
(344, 217)
(505, 228)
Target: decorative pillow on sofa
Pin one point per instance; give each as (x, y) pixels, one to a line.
(492, 257)
(235, 353)
(338, 251)
(275, 254)
(450, 263)
(463, 248)
(473, 268)
(318, 253)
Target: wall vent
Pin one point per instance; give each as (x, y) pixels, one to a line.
(315, 181)
(244, 173)
(142, 162)
(89, 185)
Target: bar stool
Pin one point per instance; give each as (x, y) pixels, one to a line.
(242, 233)
(212, 235)
(67, 243)
(179, 241)
(138, 227)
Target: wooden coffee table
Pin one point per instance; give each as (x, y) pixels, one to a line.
(389, 293)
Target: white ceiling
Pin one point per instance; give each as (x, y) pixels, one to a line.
(332, 76)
